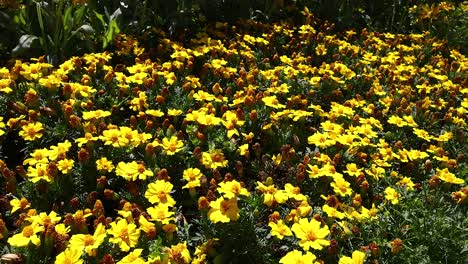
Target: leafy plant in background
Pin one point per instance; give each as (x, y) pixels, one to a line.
(58, 29)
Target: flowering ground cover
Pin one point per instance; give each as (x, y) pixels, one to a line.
(255, 143)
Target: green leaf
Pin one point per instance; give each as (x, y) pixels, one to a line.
(25, 42)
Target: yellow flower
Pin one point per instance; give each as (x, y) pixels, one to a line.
(133, 257)
(103, 164)
(95, 114)
(223, 210)
(89, 243)
(88, 137)
(358, 257)
(272, 102)
(174, 112)
(172, 146)
(179, 253)
(392, 195)
(341, 186)
(146, 226)
(161, 213)
(65, 165)
(213, 159)
(232, 189)
(192, 175)
(139, 103)
(69, 256)
(159, 192)
(279, 229)
(124, 234)
(271, 194)
(332, 212)
(31, 131)
(27, 235)
(19, 204)
(296, 257)
(44, 219)
(449, 177)
(311, 234)
(132, 171)
(294, 192)
(39, 172)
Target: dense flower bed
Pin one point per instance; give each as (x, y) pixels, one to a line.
(252, 142)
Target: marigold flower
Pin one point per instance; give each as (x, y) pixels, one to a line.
(103, 164)
(124, 234)
(193, 176)
(161, 213)
(27, 235)
(31, 131)
(179, 253)
(172, 146)
(279, 229)
(358, 257)
(17, 204)
(232, 189)
(69, 256)
(297, 257)
(392, 195)
(223, 210)
(159, 192)
(311, 234)
(89, 243)
(132, 171)
(133, 257)
(213, 159)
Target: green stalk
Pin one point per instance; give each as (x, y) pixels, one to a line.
(41, 24)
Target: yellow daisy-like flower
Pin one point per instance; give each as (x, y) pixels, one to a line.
(297, 257)
(192, 175)
(69, 256)
(31, 131)
(448, 177)
(103, 164)
(27, 235)
(132, 171)
(159, 192)
(172, 146)
(19, 204)
(392, 195)
(124, 234)
(311, 234)
(179, 253)
(272, 102)
(213, 159)
(161, 213)
(89, 243)
(358, 257)
(133, 257)
(65, 165)
(223, 210)
(232, 189)
(279, 229)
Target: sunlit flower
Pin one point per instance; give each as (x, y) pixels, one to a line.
(69, 256)
(31, 131)
(297, 257)
(124, 234)
(179, 253)
(279, 229)
(132, 171)
(193, 176)
(133, 257)
(310, 233)
(232, 189)
(159, 192)
(358, 257)
(27, 235)
(103, 164)
(392, 195)
(89, 243)
(223, 210)
(172, 146)
(19, 204)
(214, 159)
